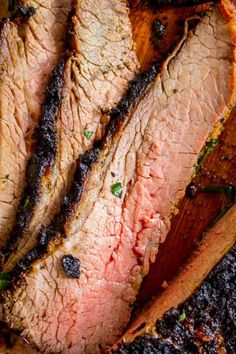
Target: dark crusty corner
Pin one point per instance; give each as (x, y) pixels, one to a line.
(204, 323)
(184, 319)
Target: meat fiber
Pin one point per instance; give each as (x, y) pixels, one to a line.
(78, 298)
(84, 85)
(30, 47)
(194, 314)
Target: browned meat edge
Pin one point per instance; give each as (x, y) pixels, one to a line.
(42, 159)
(45, 156)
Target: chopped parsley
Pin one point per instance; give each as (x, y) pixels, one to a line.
(88, 134)
(116, 189)
(4, 280)
(211, 145)
(26, 203)
(229, 191)
(182, 316)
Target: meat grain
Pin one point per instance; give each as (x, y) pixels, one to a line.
(29, 50)
(86, 83)
(131, 187)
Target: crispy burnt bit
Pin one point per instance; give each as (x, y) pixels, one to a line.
(147, 344)
(191, 190)
(43, 158)
(21, 13)
(158, 31)
(71, 266)
(209, 321)
(136, 90)
(157, 4)
(55, 232)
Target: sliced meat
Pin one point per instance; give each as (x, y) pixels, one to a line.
(14, 123)
(194, 315)
(85, 85)
(44, 42)
(78, 299)
(29, 50)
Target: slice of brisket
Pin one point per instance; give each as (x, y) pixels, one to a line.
(85, 85)
(29, 49)
(194, 315)
(78, 298)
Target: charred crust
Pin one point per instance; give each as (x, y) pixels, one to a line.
(158, 31)
(84, 164)
(208, 324)
(56, 231)
(25, 12)
(71, 266)
(136, 90)
(43, 158)
(45, 235)
(21, 13)
(191, 190)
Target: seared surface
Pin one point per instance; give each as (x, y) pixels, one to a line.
(29, 50)
(14, 124)
(203, 323)
(115, 239)
(94, 78)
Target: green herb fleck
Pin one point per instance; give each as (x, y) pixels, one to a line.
(4, 284)
(26, 203)
(212, 144)
(88, 134)
(116, 189)
(182, 316)
(4, 280)
(229, 191)
(4, 275)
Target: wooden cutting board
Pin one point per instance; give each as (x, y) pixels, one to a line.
(219, 168)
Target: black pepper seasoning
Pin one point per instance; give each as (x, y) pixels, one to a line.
(191, 190)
